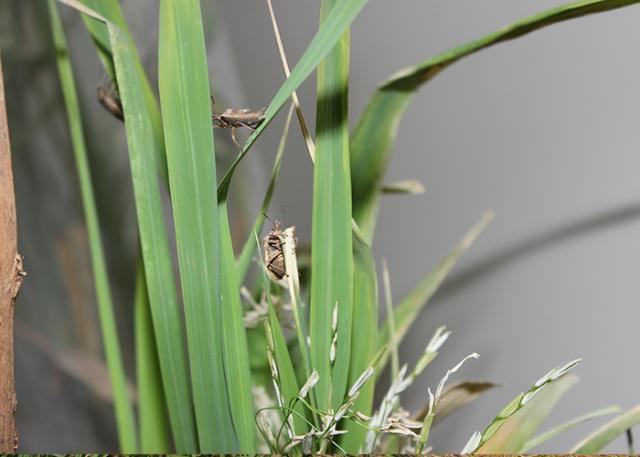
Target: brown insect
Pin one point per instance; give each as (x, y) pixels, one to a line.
(110, 99)
(274, 257)
(233, 118)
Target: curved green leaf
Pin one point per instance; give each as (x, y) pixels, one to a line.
(376, 131)
(595, 442)
(542, 438)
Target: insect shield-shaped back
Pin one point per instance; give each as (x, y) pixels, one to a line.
(274, 257)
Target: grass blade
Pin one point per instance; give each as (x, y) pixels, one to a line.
(236, 351)
(337, 21)
(376, 131)
(395, 358)
(595, 442)
(363, 347)
(409, 308)
(154, 431)
(546, 436)
(332, 279)
(186, 115)
(167, 321)
(517, 421)
(111, 10)
(123, 409)
(249, 246)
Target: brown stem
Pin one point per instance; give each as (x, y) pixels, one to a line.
(11, 275)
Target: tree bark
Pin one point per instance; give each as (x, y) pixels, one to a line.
(11, 275)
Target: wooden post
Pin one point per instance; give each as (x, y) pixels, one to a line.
(11, 275)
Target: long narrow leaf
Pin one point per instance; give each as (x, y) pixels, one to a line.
(186, 115)
(154, 431)
(595, 442)
(365, 328)
(337, 21)
(546, 436)
(409, 308)
(235, 349)
(376, 131)
(331, 243)
(123, 409)
(167, 321)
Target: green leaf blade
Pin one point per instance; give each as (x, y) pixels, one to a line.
(364, 346)
(542, 438)
(154, 242)
(595, 442)
(236, 351)
(186, 115)
(332, 263)
(154, 431)
(377, 128)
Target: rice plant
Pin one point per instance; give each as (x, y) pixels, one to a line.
(314, 390)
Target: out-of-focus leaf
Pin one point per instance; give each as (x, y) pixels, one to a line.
(595, 442)
(538, 440)
(376, 131)
(408, 186)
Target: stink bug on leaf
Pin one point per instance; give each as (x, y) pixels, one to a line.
(232, 118)
(273, 255)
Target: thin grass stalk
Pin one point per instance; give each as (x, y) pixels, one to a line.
(294, 96)
(122, 403)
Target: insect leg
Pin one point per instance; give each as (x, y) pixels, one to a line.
(233, 137)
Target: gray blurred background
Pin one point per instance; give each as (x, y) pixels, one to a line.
(544, 130)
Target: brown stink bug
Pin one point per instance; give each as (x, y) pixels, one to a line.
(233, 118)
(110, 99)
(273, 255)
